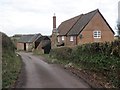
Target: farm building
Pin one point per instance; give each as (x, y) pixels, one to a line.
(43, 44)
(27, 42)
(34, 42)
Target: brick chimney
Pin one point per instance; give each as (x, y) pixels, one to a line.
(54, 34)
(54, 23)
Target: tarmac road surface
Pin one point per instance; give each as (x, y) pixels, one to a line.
(37, 73)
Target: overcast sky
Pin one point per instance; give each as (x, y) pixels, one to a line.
(35, 16)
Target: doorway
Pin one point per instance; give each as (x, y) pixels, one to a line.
(24, 46)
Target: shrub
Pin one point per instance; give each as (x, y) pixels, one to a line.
(63, 53)
(99, 57)
(11, 63)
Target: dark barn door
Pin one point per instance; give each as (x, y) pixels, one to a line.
(24, 46)
(47, 48)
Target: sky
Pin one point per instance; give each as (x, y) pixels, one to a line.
(35, 16)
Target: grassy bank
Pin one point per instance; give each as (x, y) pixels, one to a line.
(11, 63)
(103, 59)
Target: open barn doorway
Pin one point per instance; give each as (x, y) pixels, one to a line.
(24, 46)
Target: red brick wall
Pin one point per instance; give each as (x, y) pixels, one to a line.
(71, 43)
(60, 39)
(20, 46)
(97, 23)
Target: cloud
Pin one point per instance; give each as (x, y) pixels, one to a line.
(28, 16)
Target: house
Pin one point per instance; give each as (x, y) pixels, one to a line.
(27, 42)
(85, 28)
(43, 44)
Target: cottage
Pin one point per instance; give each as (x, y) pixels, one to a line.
(27, 42)
(85, 28)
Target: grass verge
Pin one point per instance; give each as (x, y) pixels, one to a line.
(11, 65)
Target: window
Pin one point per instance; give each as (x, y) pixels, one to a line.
(62, 38)
(71, 38)
(58, 39)
(97, 34)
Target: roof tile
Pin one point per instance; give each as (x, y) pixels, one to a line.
(67, 25)
(81, 23)
(29, 38)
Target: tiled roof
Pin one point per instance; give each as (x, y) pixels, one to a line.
(29, 38)
(67, 25)
(35, 37)
(75, 25)
(81, 23)
(42, 38)
(45, 40)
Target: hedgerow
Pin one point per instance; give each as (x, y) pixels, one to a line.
(11, 63)
(99, 57)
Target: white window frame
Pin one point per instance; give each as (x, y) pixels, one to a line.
(97, 34)
(71, 38)
(63, 38)
(58, 39)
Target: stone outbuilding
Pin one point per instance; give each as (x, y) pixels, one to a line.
(27, 42)
(43, 44)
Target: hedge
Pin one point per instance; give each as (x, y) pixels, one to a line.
(99, 57)
(11, 63)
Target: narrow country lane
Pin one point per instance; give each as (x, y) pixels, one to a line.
(39, 74)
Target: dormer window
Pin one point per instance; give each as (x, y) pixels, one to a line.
(63, 38)
(97, 34)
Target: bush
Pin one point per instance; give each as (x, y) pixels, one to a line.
(11, 63)
(99, 57)
(63, 53)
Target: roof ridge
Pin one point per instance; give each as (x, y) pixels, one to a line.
(89, 15)
(69, 23)
(72, 18)
(35, 37)
(76, 22)
(80, 15)
(96, 10)
(106, 22)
